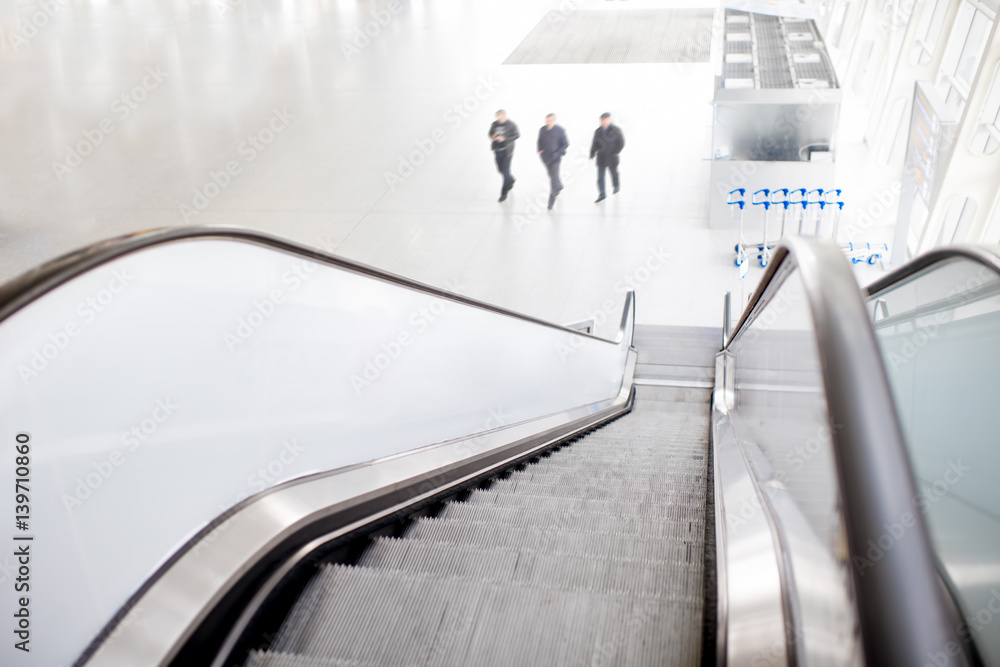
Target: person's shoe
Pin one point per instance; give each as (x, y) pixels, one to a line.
(616, 190)
(503, 197)
(600, 199)
(552, 200)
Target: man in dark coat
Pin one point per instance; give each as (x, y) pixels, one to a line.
(552, 145)
(608, 143)
(503, 134)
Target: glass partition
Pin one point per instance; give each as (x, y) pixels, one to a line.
(939, 331)
(153, 392)
(781, 416)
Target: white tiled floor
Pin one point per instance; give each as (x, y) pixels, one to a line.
(229, 64)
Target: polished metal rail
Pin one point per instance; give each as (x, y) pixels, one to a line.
(31, 285)
(902, 609)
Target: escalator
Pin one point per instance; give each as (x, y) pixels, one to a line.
(591, 555)
(371, 471)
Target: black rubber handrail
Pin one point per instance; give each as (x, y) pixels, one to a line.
(33, 284)
(978, 254)
(902, 609)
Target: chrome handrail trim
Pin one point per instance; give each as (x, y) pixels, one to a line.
(749, 624)
(27, 287)
(183, 592)
(982, 254)
(902, 610)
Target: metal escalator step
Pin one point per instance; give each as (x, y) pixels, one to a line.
(369, 615)
(678, 576)
(574, 628)
(572, 491)
(394, 619)
(272, 659)
(552, 534)
(665, 509)
(663, 481)
(669, 506)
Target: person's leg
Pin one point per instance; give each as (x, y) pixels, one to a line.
(503, 164)
(555, 169)
(600, 182)
(614, 177)
(554, 185)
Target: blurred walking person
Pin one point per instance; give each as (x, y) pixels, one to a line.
(552, 145)
(608, 143)
(503, 134)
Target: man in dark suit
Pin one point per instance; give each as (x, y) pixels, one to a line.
(608, 143)
(503, 134)
(552, 145)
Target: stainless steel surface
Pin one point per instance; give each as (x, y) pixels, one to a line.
(783, 423)
(751, 620)
(902, 611)
(185, 591)
(590, 556)
(727, 318)
(29, 286)
(268, 364)
(939, 346)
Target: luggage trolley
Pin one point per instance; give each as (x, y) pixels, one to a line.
(784, 211)
(837, 206)
(765, 201)
(798, 206)
(865, 252)
(741, 243)
(818, 217)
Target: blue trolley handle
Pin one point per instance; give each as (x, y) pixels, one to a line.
(837, 192)
(740, 201)
(802, 197)
(820, 200)
(765, 200)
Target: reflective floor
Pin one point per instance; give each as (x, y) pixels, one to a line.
(361, 127)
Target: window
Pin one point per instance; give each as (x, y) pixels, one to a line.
(986, 138)
(929, 31)
(964, 51)
(992, 232)
(956, 220)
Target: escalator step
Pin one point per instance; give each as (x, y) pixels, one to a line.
(574, 491)
(394, 619)
(535, 569)
(272, 659)
(506, 508)
(599, 535)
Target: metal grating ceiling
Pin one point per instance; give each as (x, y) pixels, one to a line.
(622, 36)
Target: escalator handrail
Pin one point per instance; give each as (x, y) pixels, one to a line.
(980, 254)
(901, 606)
(35, 283)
